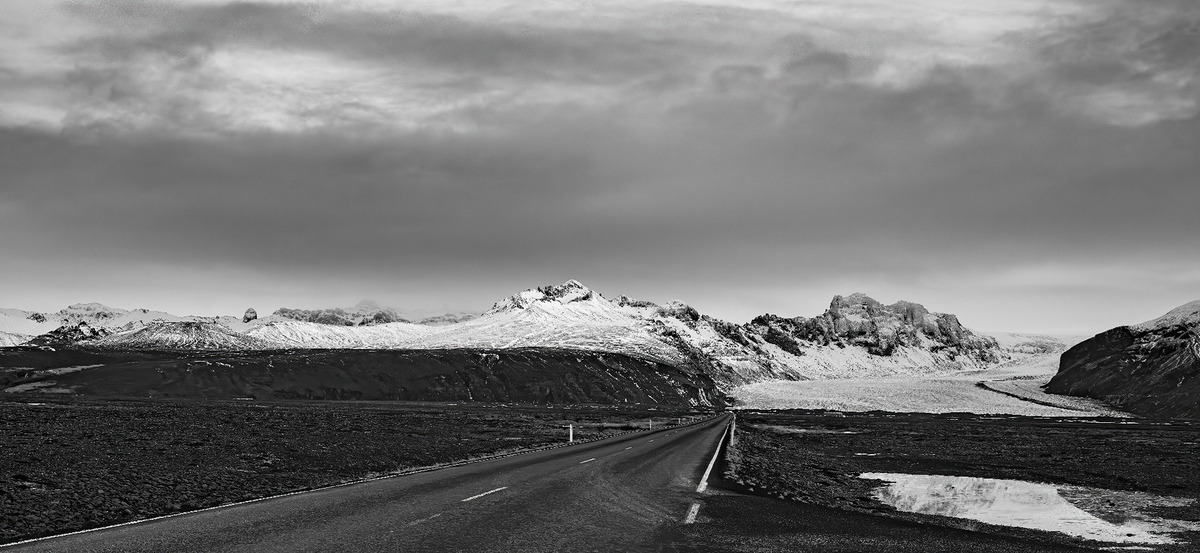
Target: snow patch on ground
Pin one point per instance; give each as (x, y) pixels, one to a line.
(1072, 510)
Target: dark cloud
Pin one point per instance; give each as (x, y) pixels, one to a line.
(742, 184)
(523, 50)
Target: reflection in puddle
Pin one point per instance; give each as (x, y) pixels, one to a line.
(1090, 513)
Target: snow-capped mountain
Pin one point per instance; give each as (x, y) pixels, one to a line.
(8, 339)
(1150, 368)
(569, 316)
(857, 336)
(300, 334)
(369, 312)
(181, 335)
(25, 325)
(19, 324)
(364, 313)
(1021, 343)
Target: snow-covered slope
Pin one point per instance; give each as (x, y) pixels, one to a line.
(298, 334)
(1034, 344)
(109, 318)
(10, 339)
(565, 316)
(856, 337)
(94, 315)
(17, 323)
(1186, 315)
(186, 335)
(369, 312)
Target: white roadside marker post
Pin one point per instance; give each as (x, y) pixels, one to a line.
(570, 433)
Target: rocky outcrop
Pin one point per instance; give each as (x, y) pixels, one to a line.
(251, 315)
(68, 335)
(1150, 369)
(448, 318)
(364, 313)
(568, 292)
(858, 320)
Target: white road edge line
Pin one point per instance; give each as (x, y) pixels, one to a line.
(486, 493)
(587, 461)
(691, 516)
(704, 479)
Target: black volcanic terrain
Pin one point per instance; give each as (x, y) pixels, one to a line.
(70, 463)
(531, 375)
(1151, 369)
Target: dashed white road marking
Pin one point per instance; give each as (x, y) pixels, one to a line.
(651, 440)
(704, 479)
(426, 519)
(692, 512)
(486, 493)
(630, 447)
(587, 461)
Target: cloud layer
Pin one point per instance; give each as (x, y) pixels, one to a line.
(1028, 165)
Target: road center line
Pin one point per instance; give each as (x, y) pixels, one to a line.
(426, 519)
(704, 479)
(691, 516)
(486, 493)
(652, 440)
(587, 461)
(630, 447)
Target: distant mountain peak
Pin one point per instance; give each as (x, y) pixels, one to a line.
(570, 291)
(855, 298)
(185, 335)
(369, 305)
(92, 306)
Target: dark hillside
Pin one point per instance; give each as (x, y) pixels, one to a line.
(534, 375)
(1152, 372)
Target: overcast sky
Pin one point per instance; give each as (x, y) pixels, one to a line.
(1026, 164)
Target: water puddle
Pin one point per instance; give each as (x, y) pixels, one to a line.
(1090, 513)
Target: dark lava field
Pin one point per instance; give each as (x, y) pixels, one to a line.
(815, 458)
(525, 375)
(72, 463)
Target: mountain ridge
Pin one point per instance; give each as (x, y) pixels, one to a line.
(855, 336)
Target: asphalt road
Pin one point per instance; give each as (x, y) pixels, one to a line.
(628, 493)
